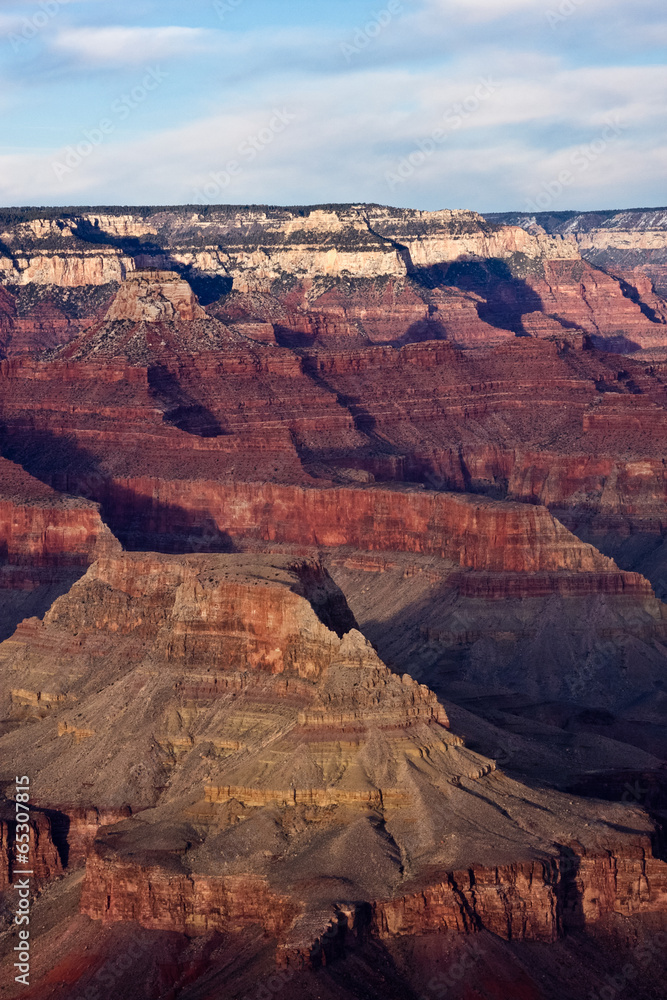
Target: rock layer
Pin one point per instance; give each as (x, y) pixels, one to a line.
(351, 273)
(374, 426)
(270, 745)
(155, 296)
(43, 532)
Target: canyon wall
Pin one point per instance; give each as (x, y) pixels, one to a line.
(259, 699)
(325, 543)
(538, 901)
(631, 244)
(354, 274)
(43, 532)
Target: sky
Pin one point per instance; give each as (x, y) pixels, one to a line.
(492, 105)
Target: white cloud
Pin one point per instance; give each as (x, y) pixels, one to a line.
(357, 119)
(10, 24)
(123, 45)
(350, 131)
(480, 10)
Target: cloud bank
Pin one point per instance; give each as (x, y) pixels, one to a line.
(423, 103)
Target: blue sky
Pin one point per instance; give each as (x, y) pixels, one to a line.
(483, 104)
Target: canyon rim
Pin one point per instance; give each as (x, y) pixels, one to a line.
(333, 640)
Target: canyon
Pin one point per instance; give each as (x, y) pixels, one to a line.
(335, 275)
(332, 566)
(627, 244)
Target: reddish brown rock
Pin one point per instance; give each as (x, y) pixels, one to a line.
(358, 274)
(155, 296)
(159, 899)
(538, 901)
(534, 901)
(473, 532)
(43, 532)
(238, 705)
(45, 860)
(212, 734)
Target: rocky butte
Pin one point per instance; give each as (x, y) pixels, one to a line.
(332, 634)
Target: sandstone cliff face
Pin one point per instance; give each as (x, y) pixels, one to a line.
(155, 296)
(257, 629)
(276, 742)
(67, 269)
(532, 901)
(629, 244)
(281, 267)
(42, 531)
(475, 533)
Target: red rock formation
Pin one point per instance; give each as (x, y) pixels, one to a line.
(473, 532)
(43, 532)
(534, 901)
(160, 899)
(259, 709)
(46, 863)
(153, 297)
(539, 901)
(427, 412)
(59, 840)
(466, 307)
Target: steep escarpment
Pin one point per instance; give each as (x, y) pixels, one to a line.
(342, 275)
(47, 540)
(325, 538)
(631, 245)
(473, 532)
(530, 901)
(260, 745)
(42, 529)
(534, 901)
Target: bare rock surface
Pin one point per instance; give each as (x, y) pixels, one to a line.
(276, 770)
(332, 634)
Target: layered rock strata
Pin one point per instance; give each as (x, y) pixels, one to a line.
(630, 244)
(262, 744)
(212, 735)
(153, 297)
(354, 274)
(43, 532)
